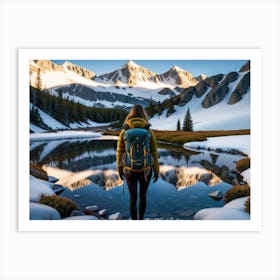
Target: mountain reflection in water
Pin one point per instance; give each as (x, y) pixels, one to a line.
(79, 163)
(184, 177)
(88, 168)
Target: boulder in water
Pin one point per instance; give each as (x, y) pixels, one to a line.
(217, 195)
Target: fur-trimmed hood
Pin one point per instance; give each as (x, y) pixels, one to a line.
(136, 122)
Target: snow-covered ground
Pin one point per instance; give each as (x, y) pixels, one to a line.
(247, 176)
(234, 210)
(54, 124)
(48, 120)
(36, 128)
(226, 143)
(89, 123)
(67, 134)
(43, 212)
(39, 187)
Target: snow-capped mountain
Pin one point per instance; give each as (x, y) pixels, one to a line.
(130, 74)
(53, 75)
(215, 102)
(177, 76)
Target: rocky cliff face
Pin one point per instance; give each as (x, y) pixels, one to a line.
(213, 80)
(241, 89)
(217, 87)
(186, 95)
(79, 70)
(47, 65)
(201, 77)
(166, 91)
(245, 67)
(218, 93)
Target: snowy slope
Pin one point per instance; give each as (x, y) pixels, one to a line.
(54, 124)
(220, 116)
(48, 120)
(52, 78)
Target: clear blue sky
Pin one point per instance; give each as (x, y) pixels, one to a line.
(196, 67)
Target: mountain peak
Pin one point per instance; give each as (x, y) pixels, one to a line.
(131, 63)
(178, 77)
(245, 67)
(176, 68)
(130, 74)
(78, 70)
(201, 77)
(67, 63)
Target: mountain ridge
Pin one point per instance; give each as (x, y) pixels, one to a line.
(132, 84)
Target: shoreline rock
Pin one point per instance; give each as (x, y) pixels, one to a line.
(216, 195)
(115, 216)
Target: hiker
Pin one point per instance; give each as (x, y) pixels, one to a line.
(137, 158)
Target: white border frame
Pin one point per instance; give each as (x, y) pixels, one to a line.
(254, 55)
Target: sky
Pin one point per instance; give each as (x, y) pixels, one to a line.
(196, 67)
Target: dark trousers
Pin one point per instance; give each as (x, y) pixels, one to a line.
(132, 179)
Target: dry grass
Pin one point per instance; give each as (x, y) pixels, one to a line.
(181, 137)
(237, 192)
(37, 171)
(62, 204)
(243, 164)
(248, 205)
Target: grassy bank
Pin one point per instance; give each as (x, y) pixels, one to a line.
(181, 137)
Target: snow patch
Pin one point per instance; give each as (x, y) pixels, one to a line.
(237, 203)
(48, 120)
(38, 188)
(234, 210)
(43, 212)
(35, 128)
(70, 134)
(240, 143)
(247, 176)
(86, 217)
(221, 214)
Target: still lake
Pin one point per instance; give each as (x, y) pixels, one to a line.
(87, 170)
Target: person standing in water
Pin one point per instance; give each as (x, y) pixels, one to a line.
(137, 158)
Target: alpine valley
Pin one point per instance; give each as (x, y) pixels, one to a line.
(69, 96)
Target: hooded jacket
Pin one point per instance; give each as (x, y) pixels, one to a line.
(137, 123)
